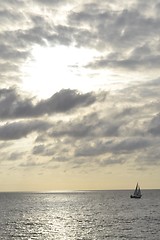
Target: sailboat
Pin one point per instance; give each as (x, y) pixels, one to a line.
(137, 192)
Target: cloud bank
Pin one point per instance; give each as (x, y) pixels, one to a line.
(103, 127)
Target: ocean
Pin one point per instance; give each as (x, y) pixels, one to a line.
(81, 215)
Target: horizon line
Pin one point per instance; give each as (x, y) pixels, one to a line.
(73, 191)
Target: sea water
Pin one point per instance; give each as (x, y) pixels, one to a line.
(87, 215)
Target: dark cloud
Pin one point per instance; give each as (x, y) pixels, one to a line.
(31, 36)
(149, 157)
(128, 145)
(75, 130)
(8, 53)
(17, 130)
(66, 100)
(38, 149)
(90, 14)
(53, 2)
(12, 3)
(129, 36)
(13, 105)
(43, 150)
(89, 150)
(57, 153)
(148, 91)
(7, 16)
(154, 126)
(90, 126)
(130, 63)
(113, 124)
(131, 145)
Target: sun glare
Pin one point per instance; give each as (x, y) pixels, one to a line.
(52, 69)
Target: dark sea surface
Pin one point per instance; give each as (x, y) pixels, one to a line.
(90, 215)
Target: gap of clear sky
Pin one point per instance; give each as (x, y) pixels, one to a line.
(79, 94)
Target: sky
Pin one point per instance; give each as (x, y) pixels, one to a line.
(79, 94)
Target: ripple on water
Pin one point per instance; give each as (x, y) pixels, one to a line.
(89, 215)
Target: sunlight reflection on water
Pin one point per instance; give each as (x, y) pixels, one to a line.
(79, 215)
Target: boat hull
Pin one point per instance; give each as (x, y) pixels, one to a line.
(133, 196)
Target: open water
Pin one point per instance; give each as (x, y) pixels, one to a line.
(92, 215)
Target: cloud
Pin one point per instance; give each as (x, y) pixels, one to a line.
(72, 130)
(5, 145)
(43, 150)
(12, 105)
(31, 164)
(11, 156)
(119, 125)
(154, 125)
(117, 128)
(8, 53)
(131, 62)
(127, 36)
(115, 123)
(17, 130)
(57, 153)
(112, 161)
(7, 16)
(53, 2)
(78, 128)
(150, 157)
(66, 100)
(104, 128)
(16, 156)
(83, 128)
(124, 146)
